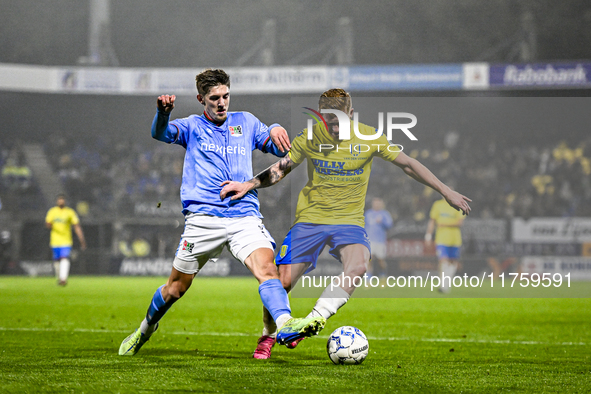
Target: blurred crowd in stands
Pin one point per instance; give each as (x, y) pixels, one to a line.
(502, 179)
(18, 187)
(111, 178)
(16, 174)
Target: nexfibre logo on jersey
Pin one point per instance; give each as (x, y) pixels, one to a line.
(345, 129)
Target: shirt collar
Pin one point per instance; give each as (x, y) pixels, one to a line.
(213, 121)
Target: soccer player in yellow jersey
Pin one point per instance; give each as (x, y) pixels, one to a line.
(448, 239)
(330, 207)
(60, 220)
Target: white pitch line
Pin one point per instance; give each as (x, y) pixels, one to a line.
(465, 340)
(242, 334)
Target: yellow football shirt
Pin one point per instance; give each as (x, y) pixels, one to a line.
(62, 220)
(338, 174)
(444, 214)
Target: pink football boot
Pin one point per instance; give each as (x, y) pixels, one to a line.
(263, 350)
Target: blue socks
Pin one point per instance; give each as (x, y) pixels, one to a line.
(274, 298)
(157, 308)
(272, 294)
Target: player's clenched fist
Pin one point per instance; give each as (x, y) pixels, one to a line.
(166, 103)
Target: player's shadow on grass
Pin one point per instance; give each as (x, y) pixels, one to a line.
(293, 358)
(197, 353)
(303, 359)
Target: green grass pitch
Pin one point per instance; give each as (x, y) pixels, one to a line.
(56, 339)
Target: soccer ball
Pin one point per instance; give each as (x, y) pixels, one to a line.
(347, 345)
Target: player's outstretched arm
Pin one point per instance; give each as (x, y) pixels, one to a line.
(266, 178)
(420, 173)
(160, 128)
(80, 235)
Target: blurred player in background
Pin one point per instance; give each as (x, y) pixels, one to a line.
(219, 147)
(377, 222)
(60, 220)
(448, 239)
(330, 207)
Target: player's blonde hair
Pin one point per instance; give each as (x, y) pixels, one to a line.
(335, 99)
(209, 78)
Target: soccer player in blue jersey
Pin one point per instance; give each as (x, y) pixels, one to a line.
(219, 147)
(377, 222)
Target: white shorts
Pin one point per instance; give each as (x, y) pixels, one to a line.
(205, 236)
(378, 249)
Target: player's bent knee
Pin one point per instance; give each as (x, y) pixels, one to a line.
(357, 270)
(286, 282)
(265, 272)
(260, 263)
(262, 270)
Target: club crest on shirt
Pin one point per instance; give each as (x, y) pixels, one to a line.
(235, 131)
(283, 251)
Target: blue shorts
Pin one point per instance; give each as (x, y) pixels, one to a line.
(305, 241)
(61, 252)
(448, 252)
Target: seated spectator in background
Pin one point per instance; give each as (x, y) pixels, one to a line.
(16, 175)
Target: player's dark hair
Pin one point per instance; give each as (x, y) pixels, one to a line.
(335, 99)
(209, 78)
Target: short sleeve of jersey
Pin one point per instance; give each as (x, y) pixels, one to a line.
(49, 216)
(74, 219)
(387, 151)
(182, 125)
(387, 219)
(260, 131)
(297, 152)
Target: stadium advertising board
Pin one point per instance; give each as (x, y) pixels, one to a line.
(376, 78)
(408, 229)
(488, 248)
(251, 80)
(540, 75)
(167, 80)
(475, 75)
(484, 230)
(279, 79)
(285, 80)
(552, 230)
(408, 247)
(579, 268)
(37, 268)
(161, 267)
(28, 78)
